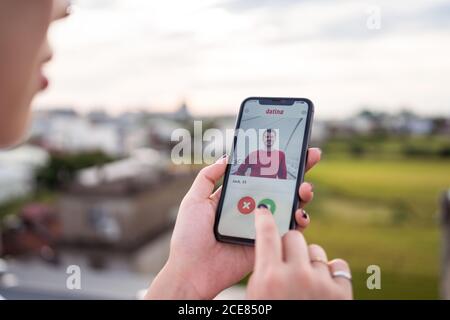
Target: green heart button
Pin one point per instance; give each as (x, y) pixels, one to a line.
(269, 203)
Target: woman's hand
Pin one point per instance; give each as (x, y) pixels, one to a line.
(287, 268)
(200, 267)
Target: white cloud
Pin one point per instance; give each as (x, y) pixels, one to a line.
(134, 53)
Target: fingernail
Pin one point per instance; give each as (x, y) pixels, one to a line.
(221, 158)
(262, 206)
(261, 210)
(305, 215)
(312, 186)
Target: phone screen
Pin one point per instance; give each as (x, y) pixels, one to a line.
(265, 164)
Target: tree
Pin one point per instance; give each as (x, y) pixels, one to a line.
(61, 168)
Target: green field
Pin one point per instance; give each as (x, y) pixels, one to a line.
(381, 212)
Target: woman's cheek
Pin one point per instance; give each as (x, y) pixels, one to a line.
(20, 64)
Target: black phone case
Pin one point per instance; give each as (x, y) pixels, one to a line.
(300, 176)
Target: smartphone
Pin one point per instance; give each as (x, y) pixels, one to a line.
(266, 166)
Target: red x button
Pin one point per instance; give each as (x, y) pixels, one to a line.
(246, 205)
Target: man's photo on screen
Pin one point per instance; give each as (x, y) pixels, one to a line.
(268, 148)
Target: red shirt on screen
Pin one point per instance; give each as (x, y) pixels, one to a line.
(264, 164)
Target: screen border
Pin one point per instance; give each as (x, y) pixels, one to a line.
(301, 169)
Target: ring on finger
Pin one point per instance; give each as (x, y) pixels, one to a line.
(319, 260)
(342, 274)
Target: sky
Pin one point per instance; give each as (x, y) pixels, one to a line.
(125, 55)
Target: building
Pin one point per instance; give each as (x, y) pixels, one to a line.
(110, 213)
(17, 168)
(67, 131)
(182, 114)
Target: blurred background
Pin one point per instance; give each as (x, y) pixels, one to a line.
(94, 185)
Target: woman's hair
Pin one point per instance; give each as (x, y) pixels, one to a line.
(270, 130)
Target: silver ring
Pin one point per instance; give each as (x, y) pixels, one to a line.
(342, 274)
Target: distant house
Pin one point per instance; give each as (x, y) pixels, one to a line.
(156, 133)
(113, 211)
(361, 124)
(182, 114)
(67, 131)
(17, 168)
(407, 122)
(99, 117)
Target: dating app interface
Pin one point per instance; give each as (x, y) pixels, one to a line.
(264, 166)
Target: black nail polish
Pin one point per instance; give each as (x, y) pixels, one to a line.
(262, 205)
(305, 215)
(221, 157)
